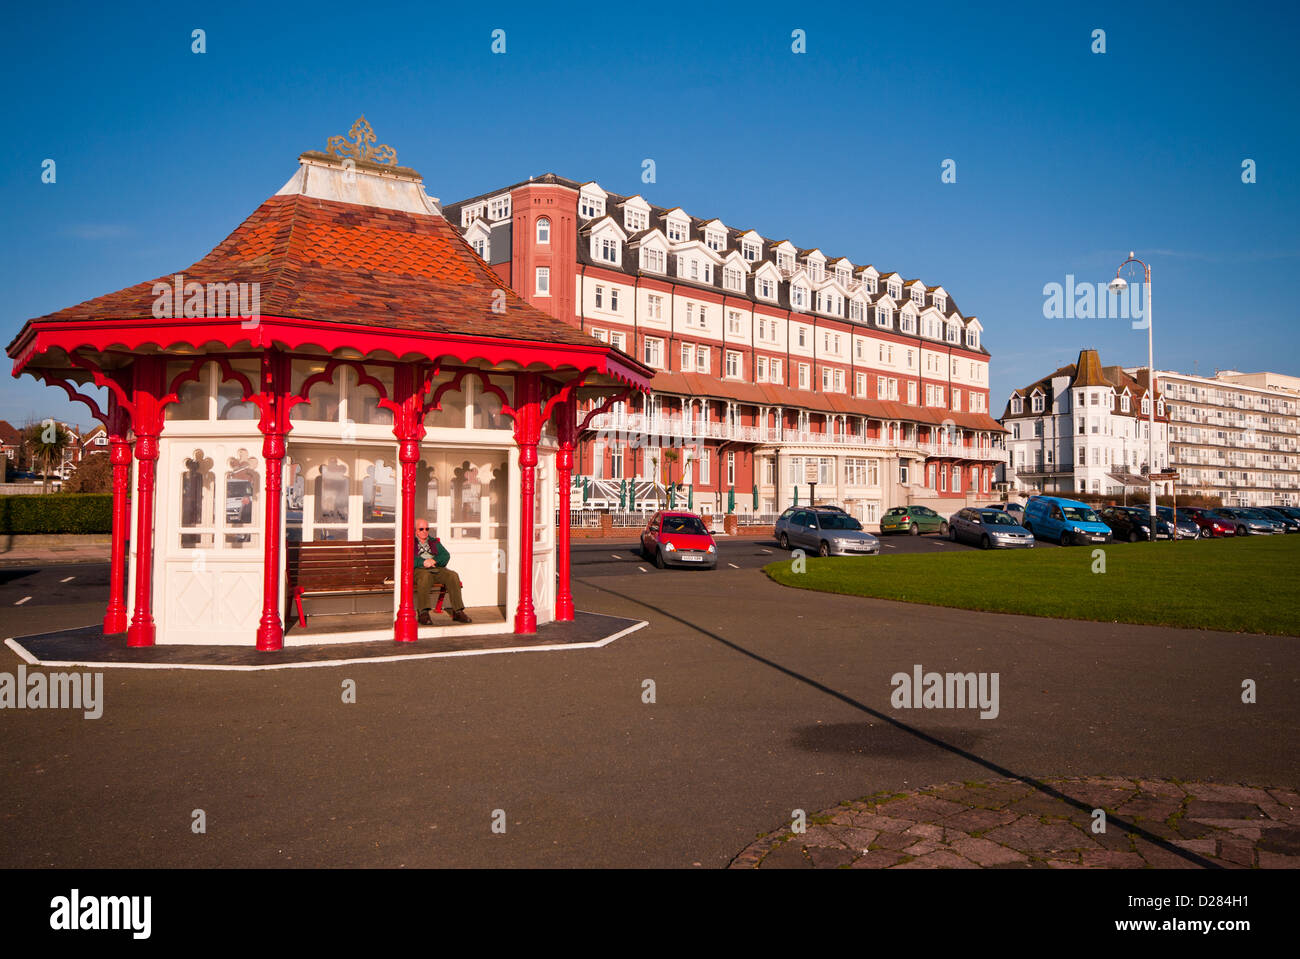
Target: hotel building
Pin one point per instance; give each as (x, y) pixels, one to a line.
(1234, 435)
(775, 365)
(1081, 429)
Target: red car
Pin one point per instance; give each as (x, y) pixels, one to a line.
(1210, 525)
(678, 538)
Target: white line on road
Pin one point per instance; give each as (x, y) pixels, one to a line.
(768, 552)
(615, 555)
(67, 579)
(23, 600)
(642, 568)
(733, 566)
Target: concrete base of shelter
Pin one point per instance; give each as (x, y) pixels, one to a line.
(88, 647)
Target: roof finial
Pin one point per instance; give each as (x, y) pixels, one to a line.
(361, 148)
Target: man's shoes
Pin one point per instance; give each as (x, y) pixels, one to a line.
(425, 619)
(460, 617)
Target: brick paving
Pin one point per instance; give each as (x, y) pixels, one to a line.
(1008, 824)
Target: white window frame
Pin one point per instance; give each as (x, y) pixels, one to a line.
(542, 281)
(543, 230)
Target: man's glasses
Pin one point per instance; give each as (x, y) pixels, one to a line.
(418, 528)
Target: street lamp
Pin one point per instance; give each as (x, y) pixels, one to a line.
(1118, 286)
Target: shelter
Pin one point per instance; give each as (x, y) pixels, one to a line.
(340, 364)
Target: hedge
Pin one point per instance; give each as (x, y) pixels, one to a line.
(56, 513)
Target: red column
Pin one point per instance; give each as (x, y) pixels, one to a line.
(119, 454)
(408, 426)
(566, 430)
(148, 375)
(527, 432)
(274, 423)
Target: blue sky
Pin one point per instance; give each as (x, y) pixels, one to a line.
(1065, 159)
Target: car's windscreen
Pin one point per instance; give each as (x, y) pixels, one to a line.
(991, 517)
(837, 521)
(1080, 515)
(684, 524)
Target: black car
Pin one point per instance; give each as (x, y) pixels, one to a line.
(1133, 524)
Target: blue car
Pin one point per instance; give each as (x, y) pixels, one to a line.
(1064, 521)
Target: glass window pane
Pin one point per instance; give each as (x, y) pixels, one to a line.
(295, 487)
(331, 489)
(452, 414)
(198, 484)
(363, 400)
(192, 403)
(230, 394)
(243, 486)
(379, 495)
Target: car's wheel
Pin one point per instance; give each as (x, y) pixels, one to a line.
(824, 549)
(1065, 537)
(1133, 536)
(943, 530)
(915, 530)
(985, 542)
(952, 533)
(659, 559)
(1241, 531)
(785, 541)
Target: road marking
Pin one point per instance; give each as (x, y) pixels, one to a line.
(642, 568)
(889, 546)
(768, 552)
(615, 555)
(733, 566)
(68, 579)
(23, 600)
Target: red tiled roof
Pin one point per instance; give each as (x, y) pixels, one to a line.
(334, 262)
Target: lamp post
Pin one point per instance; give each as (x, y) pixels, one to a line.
(1118, 286)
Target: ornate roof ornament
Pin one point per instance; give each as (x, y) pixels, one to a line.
(361, 146)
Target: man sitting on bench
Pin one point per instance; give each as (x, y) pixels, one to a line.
(431, 559)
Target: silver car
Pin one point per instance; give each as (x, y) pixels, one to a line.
(989, 527)
(829, 532)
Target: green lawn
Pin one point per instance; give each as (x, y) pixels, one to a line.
(1249, 585)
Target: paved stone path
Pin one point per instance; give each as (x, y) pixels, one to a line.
(1009, 824)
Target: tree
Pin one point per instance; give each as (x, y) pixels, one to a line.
(47, 441)
(94, 475)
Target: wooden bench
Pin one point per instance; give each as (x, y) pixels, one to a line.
(339, 566)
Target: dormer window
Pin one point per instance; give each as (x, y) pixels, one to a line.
(481, 247)
(1038, 402)
(973, 339)
(895, 290)
(871, 285)
(590, 206)
(815, 269)
(470, 213)
(855, 310)
(952, 332)
(606, 249)
(765, 288)
(785, 262)
(1160, 408)
(907, 322)
(1124, 405)
(677, 230)
(499, 207)
(543, 230)
(1017, 405)
(842, 275)
(750, 251)
(884, 316)
(941, 302)
(799, 297)
(918, 295)
(652, 260)
(1146, 406)
(715, 240)
(733, 278)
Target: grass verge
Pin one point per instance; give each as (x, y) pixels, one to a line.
(1248, 585)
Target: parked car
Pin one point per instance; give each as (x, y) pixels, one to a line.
(1247, 523)
(1292, 511)
(989, 527)
(914, 520)
(678, 538)
(1134, 524)
(1016, 510)
(1183, 526)
(1064, 521)
(1289, 523)
(831, 532)
(1210, 524)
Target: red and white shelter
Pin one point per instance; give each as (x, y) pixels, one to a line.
(339, 365)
